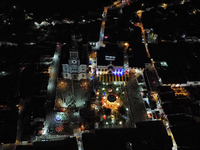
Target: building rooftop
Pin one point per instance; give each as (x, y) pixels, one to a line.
(137, 55)
(8, 125)
(176, 62)
(169, 74)
(180, 119)
(82, 54)
(68, 143)
(165, 89)
(110, 50)
(177, 107)
(147, 135)
(187, 135)
(9, 87)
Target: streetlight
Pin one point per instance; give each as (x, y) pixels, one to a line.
(164, 6)
(126, 44)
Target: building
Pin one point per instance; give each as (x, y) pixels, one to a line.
(137, 57)
(176, 64)
(50, 144)
(110, 64)
(150, 135)
(76, 66)
(116, 62)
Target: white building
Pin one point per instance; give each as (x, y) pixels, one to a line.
(74, 69)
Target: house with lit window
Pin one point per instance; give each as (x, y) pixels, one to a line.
(74, 61)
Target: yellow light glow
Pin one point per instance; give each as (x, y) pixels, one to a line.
(126, 44)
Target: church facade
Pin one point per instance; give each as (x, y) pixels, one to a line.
(74, 69)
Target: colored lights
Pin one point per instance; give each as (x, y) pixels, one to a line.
(111, 102)
(82, 127)
(104, 117)
(58, 117)
(118, 72)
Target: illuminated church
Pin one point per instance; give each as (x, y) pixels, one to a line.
(76, 66)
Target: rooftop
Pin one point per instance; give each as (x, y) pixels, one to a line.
(147, 135)
(137, 55)
(113, 51)
(82, 53)
(187, 135)
(68, 143)
(176, 63)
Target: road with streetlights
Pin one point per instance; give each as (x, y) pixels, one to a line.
(117, 4)
(51, 88)
(50, 98)
(140, 24)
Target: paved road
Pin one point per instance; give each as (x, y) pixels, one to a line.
(115, 5)
(51, 89)
(137, 106)
(101, 35)
(140, 24)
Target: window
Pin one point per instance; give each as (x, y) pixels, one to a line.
(74, 54)
(83, 68)
(66, 75)
(83, 75)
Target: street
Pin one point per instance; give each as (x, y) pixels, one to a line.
(138, 110)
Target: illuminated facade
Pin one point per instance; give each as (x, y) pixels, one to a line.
(110, 65)
(74, 69)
